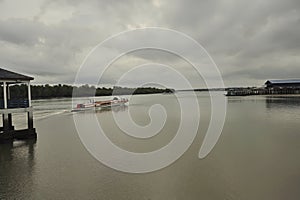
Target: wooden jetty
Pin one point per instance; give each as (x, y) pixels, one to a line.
(10, 106)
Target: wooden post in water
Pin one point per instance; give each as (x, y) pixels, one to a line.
(29, 114)
(30, 120)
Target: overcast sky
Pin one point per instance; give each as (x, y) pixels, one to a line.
(250, 41)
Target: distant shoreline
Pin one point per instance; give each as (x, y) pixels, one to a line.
(66, 91)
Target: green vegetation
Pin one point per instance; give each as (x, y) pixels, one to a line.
(58, 91)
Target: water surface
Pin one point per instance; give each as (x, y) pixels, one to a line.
(256, 157)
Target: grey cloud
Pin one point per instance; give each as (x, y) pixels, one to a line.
(249, 40)
(20, 31)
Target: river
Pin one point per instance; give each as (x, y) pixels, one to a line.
(256, 156)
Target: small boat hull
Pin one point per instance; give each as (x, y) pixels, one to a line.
(116, 101)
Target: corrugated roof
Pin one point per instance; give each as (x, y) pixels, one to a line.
(9, 75)
(283, 81)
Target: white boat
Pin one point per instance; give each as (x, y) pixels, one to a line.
(116, 101)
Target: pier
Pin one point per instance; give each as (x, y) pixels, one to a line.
(272, 87)
(9, 106)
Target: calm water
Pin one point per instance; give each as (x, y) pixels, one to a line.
(256, 157)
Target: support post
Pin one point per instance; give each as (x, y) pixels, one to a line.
(5, 116)
(10, 126)
(29, 114)
(5, 122)
(29, 94)
(4, 95)
(30, 120)
(8, 93)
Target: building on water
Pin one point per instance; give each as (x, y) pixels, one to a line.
(291, 83)
(9, 106)
(272, 87)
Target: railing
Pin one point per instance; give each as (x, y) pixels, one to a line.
(15, 103)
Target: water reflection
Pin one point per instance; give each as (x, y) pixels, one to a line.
(116, 109)
(282, 101)
(17, 161)
(287, 107)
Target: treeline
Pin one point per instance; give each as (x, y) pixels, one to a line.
(58, 91)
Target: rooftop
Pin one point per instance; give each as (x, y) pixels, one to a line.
(283, 81)
(13, 76)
